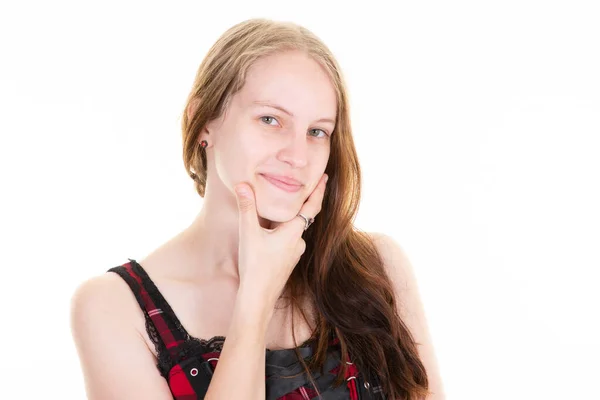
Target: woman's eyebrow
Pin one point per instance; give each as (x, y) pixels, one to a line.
(280, 108)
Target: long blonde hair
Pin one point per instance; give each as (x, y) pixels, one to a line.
(340, 272)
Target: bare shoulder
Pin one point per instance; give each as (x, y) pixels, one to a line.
(115, 359)
(395, 261)
(102, 298)
(410, 306)
(99, 286)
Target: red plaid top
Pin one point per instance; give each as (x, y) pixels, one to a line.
(187, 363)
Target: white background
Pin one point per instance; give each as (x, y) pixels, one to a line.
(477, 127)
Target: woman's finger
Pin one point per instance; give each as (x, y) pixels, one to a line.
(310, 208)
(248, 216)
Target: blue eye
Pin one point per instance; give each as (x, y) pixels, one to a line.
(324, 133)
(266, 116)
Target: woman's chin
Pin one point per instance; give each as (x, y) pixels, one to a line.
(273, 217)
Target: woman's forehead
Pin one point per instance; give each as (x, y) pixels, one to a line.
(299, 90)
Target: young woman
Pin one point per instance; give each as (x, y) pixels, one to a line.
(311, 307)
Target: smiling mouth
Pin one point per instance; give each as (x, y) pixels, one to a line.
(282, 185)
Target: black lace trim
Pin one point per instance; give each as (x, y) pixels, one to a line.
(159, 346)
(159, 300)
(190, 346)
(165, 359)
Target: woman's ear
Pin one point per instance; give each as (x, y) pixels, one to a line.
(204, 136)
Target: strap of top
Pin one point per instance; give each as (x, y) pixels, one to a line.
(163, 326)
(173, 343)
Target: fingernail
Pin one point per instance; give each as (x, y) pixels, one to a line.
(241, 190)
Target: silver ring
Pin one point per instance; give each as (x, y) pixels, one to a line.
(307, 221)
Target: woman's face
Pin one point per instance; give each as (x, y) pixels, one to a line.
(278, 125)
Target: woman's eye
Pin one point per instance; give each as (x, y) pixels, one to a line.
(268, 119)
(321, 130)
(264, 119)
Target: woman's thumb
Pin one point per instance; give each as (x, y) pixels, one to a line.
(245, 201)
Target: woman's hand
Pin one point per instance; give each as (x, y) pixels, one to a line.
(268, 257)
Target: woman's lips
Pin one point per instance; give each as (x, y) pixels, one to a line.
(282, 185)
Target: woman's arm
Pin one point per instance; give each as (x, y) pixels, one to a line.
(117, 363)
(115, 360)
(410, 307)
(240, 372)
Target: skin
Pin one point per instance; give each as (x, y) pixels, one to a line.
(197, 269)
(264, 140)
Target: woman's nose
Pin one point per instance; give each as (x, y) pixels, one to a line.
(295, 152)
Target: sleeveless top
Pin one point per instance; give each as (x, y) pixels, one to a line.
(187, 363)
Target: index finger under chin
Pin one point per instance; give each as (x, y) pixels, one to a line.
(312, 206)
